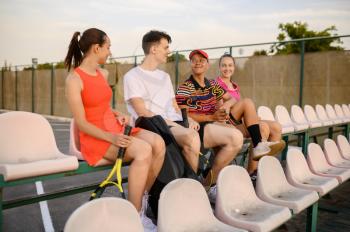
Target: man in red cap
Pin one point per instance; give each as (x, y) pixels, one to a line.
(210, 105)
(201, 97)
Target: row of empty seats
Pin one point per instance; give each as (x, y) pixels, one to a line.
(300, 120)
(184, 205)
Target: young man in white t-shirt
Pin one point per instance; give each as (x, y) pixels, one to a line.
(148, 91)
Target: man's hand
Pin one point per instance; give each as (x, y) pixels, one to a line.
(193, 124)
(220, 115)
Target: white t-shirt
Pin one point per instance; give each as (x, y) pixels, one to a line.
(155, 88)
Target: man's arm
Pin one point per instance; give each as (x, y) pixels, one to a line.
(139, 106)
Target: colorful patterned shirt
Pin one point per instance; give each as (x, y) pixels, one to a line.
(200, 100)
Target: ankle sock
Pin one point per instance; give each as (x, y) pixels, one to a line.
(254, 131)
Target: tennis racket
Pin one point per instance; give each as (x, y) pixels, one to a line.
(116, 170)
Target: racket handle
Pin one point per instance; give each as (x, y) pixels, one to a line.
(184, 117)
(127, 131)
(97, 193)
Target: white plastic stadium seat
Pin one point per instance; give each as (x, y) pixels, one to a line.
(184, 206)
(299, 174)
(265, 113)
(311, 117)
(74, 141)
(297, 115)
(105, 214)
(74, 144)
(322, 115)
(28, 147)
(340, 113)
(331, 114)
(319, 165)
(344, 146)
(346, 111)
(238, 205)
(333, 155)
(272, 186)
(282, 116)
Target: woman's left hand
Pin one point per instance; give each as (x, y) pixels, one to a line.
(123, 119)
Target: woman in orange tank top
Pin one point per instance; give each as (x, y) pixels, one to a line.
(101, 127)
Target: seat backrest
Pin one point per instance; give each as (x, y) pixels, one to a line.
(343, 145)
(297, 115)
(310, 114)
(235, 188)
(265, 113)
(346, 110)
(25, 137)
(331, 151)
(297, 165)
(271, 178)
(316, 158)
(339, 111)
(330, 112)
(321, 113)
(282, 115)
(74, 141)
(186, 201)
(105, 214)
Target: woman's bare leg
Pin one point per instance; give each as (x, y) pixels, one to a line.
(140, 153)
(245, 108)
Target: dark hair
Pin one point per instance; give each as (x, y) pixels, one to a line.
(227, 55)
(152, 37)
(77, 49)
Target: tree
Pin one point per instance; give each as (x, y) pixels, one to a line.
(299, 30)
(172, 58)
(260, 53)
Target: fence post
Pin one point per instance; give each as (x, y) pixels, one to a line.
(2, 88)
(16, 87)
(176, 69)
(231, 51)
(33, 73)
(135, 61)
(301, 84)
(113, 96)
(52, 88)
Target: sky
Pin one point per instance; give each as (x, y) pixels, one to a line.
(43, 28)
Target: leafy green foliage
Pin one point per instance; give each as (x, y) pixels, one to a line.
(172, 58)
(260, 53)
(299, 30)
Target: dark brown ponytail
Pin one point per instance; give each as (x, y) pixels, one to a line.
(78, 48)
(74, 53)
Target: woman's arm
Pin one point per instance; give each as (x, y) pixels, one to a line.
(74, 87)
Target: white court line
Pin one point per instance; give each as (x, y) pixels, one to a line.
(45, 213)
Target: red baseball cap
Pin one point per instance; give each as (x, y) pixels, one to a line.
(201, 52)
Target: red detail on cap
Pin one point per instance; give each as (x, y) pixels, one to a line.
(201, 52)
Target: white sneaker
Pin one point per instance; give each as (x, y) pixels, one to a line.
(260, 150)
(147, 223)
(212, 194)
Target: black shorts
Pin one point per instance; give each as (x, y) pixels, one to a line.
(201, 130)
